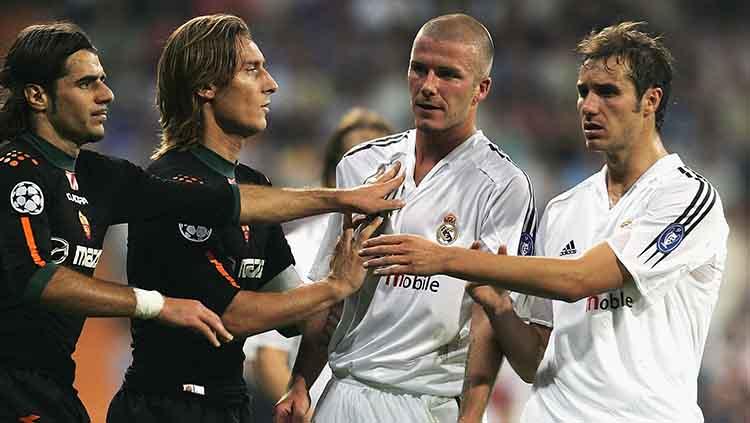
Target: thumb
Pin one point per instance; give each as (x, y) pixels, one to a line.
(502, 250)
(476, 245)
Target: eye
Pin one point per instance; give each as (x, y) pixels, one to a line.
(418, 68)
(583, 91)
(447, 74)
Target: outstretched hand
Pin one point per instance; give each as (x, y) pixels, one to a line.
(404, 254)
(195, 316)
(347, 269)
(371, 198)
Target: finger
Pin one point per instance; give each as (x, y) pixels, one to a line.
(476, 245)
(217, 326)
(383, 240)
(502, 250)
(346, 222)
(386, 261)
(389, 173)
(206, 331)
(392, 270)
(388, 205)
(359, 219)
(381, 250)
(369, 229)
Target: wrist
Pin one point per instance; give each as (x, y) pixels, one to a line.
(500, 307)
(148, 304)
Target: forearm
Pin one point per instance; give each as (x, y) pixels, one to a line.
(568, 280)
(522, 344)
(254, 312)
(272, 372)
(313, 353)
(482, 365)
(73, 292)
(263, 204)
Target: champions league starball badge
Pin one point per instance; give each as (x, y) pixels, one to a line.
(195, 233)
(26, 197)
(447, 232)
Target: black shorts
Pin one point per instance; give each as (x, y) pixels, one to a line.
(132, 406)
(28, 396)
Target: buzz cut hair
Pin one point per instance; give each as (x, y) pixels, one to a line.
(463, 28)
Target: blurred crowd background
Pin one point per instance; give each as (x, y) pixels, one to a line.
(329, 56)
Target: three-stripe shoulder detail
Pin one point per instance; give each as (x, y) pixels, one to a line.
(528, 233)
(673, 234)
(380, 142)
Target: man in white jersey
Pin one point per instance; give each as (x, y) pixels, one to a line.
(640, 249)
(399, 353)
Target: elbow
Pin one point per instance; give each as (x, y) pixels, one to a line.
(577, 284)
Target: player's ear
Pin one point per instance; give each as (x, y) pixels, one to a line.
(36, 97)
(482, 91)
(651, 100)
(207, 92)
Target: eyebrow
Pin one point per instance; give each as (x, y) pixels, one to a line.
(90, 78)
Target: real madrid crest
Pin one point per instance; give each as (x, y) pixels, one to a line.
(447, 232)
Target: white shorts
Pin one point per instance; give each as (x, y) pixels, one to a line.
(347, 401)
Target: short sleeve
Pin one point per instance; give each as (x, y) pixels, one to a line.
(25, 239)
(529, 308)
(682, 229)
(138, 195)
(510, 218)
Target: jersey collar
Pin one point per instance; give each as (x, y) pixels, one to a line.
(53, 154)
(214, 161)
(670, 161)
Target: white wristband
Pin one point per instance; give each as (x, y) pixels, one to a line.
(148, 304)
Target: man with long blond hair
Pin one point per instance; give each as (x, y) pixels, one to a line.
(214, 94)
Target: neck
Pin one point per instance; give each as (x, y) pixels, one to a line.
(44, 129)
(431, 147)
(228, 146)
(624, 167)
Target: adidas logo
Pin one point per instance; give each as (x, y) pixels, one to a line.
(569, 249)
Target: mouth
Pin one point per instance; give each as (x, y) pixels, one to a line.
(100, 114)
(592, 130)
(266, 107)
(427, 106)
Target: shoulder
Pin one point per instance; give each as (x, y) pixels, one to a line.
(573, 195)
(497, 167)
(681, 188)
(246, 174)
(378, 148)
(18, 160)
(181, 166)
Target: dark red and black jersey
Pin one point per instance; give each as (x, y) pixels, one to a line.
(55, 211)
(208, 263)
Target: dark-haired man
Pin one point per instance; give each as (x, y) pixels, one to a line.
(639, 251)
(59, 201)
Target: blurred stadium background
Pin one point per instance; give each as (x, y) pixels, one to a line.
(328, 56)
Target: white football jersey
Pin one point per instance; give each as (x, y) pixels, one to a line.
(410, 333)
(633, 354)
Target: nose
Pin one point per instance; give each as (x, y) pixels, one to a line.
(429, 85)
(271, 85)
(588, 105)
(105, 94)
